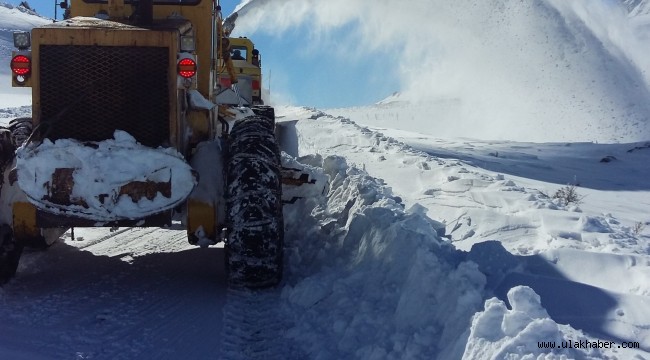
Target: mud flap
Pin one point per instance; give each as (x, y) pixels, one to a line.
(230, 97)
(201, 223)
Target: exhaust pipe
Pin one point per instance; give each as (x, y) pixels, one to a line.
(145, 12)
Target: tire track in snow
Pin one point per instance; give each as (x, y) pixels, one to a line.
(79, 303)
(253, 328)
(109, 236)
(132, 241)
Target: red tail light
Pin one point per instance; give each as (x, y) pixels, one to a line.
(225, 82)
(256, 85)
(187, 68)
(21, 65)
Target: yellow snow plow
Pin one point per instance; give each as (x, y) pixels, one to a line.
(144, 113)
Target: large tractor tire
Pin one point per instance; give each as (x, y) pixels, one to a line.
(21, 129)
(265, 111)
(254, 246)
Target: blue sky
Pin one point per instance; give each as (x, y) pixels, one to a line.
(313, 76)
(301, 72)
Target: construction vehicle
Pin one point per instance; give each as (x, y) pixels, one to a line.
(140, 117)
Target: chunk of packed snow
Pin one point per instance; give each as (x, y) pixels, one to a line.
(516, 333)
(101, 169)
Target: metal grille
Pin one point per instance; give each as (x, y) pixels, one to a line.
(88, 92)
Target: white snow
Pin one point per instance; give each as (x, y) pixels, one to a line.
(418, 243)
(102, 171)
(502, 333)
(586, 261)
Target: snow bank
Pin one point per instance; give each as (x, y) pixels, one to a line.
(362, 243)
(371, 279)
(367, 279)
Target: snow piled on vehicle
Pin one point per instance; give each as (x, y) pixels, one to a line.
(108, 177)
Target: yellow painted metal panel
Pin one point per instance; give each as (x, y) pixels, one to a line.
(80, 32)
(200, 15)
(201, 215)
(24, 221)
(200, 125)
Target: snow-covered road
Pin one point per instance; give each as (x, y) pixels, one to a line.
(124, 294)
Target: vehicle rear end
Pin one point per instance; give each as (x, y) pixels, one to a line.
(247, 65)
(109, 88)
(129, 129)
(92, 78)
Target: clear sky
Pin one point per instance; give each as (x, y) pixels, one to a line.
(301, 72)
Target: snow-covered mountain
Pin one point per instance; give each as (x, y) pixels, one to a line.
(637, 7)
(421, 247)
(541, 70)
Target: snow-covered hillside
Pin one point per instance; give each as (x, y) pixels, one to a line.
(540, 70)
(638, 7)
(421, 247)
